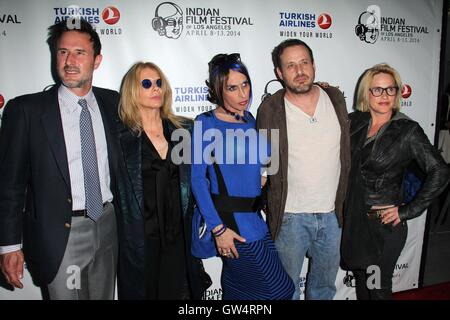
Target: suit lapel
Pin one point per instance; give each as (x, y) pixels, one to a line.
(52, 124)
(109, 125)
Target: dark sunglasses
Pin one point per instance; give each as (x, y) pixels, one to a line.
(223, 58)
(147, 83)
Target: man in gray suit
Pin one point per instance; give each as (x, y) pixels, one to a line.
(58, 164)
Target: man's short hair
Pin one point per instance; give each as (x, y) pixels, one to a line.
(73, 24)
(278, 51)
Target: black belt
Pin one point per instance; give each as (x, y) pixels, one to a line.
(236, 204)
(227, 205)
(83, 213)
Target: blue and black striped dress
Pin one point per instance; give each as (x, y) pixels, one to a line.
(258, 273)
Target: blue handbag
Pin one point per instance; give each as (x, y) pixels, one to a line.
(203, 245)
(411, 185)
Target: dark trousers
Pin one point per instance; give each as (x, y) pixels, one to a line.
(165, 270)
(393, 245)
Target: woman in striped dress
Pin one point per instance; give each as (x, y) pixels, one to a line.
(228, 154)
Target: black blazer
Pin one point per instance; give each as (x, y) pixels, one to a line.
(35, 194)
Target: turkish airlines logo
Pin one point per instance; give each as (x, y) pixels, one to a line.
(324, 21)
(2, 101)
(406, 91)
(111, 15)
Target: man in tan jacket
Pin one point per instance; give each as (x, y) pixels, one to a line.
(306, 195)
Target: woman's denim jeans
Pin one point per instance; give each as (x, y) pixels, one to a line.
(318, 236)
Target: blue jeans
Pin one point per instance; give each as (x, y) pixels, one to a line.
(319, 236)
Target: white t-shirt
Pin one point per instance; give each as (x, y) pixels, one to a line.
(314, 157)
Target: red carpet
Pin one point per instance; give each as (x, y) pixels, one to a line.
(434, 292)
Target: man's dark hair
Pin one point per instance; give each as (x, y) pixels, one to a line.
(72, 24)
(278, 51)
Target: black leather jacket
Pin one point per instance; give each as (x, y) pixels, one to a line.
(397, 144)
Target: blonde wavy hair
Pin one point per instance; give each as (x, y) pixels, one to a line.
(129, 97)
(362, 100)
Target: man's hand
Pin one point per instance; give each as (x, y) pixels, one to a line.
(12, 267)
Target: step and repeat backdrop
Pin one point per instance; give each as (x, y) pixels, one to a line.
(346, 36)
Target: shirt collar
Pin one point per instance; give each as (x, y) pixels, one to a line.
(70, 99)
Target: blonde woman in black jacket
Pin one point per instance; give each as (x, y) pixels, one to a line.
(384, 142)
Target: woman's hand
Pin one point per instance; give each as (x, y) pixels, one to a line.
(225, 243)
(390, 215)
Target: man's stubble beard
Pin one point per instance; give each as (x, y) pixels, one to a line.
(302, 89)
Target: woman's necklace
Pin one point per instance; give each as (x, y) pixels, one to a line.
(154, 132)
(236, 116)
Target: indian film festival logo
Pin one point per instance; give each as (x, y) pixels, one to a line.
(104, 21)
(372, 27)
(368, 27)
(169, 20)
(305, 25)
